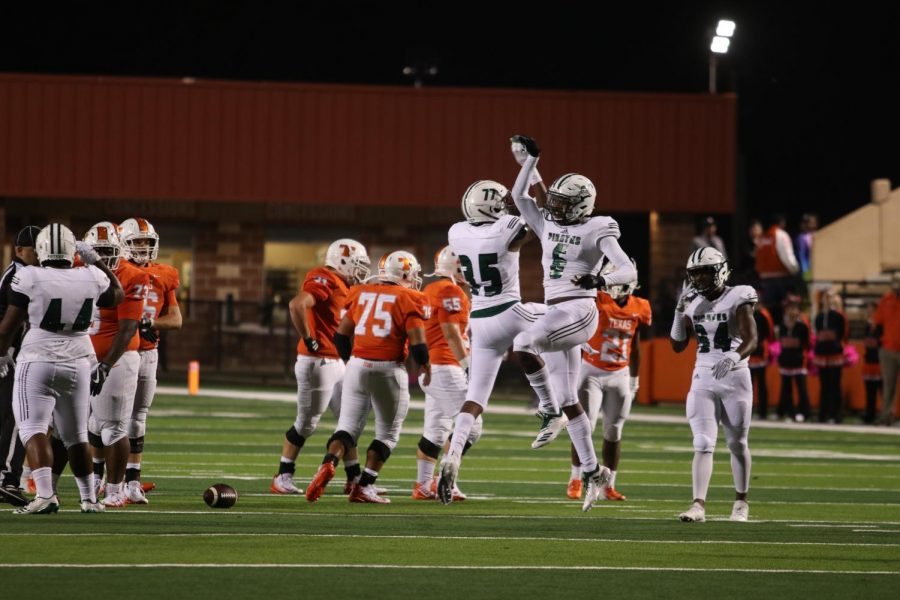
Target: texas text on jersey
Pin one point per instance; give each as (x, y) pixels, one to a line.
(615, 332)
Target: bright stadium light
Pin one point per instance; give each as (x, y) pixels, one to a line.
(719, 44)
(725, 28)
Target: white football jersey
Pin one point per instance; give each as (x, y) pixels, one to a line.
(490, 268)
(715, 323)
(60, 309)
(570, 250)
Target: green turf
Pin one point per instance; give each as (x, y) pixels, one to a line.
(825, 520)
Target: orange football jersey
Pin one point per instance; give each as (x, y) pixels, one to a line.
(449, 304)
(382, 314)
(163, 281)
(106, 320)
(330, 293)
(615, 331)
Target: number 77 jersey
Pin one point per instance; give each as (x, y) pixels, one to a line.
(715, 323)
(491, 270)
(611, 343)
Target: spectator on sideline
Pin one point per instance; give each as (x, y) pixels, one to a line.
(759, 360)
(887, 319)
(707, 237)
(808, 225)
(776, 265)
(747, 274)
(832, 329)
(871, 370)
(794, 343)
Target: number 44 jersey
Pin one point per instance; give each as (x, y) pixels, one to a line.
(491, 270)
(615, 332)
(60, 305)
(715, 323)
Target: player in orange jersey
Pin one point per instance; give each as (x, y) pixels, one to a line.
(448, 352)
(608, 379)
(161, 312)
(383, 317)
(316, 311)
(114, 335)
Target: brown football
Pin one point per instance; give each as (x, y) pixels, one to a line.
(220, 495)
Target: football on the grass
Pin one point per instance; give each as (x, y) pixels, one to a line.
(220, 495)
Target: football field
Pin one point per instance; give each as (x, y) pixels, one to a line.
(825, 518)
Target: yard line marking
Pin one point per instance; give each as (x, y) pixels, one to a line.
(485, 538)
(877, 530)
(432, 567)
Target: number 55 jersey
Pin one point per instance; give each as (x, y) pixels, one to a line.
(60, 305)
(715, 324)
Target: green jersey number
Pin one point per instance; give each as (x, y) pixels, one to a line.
(721, 340)
(559, 262)
(52, 320)
(491, 283)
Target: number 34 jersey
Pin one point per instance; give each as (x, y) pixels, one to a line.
(715, 323)
(60, 305)
(490, 268)
(615, 331)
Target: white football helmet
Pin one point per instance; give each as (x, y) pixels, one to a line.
(707, 258)
(400, 267)
(133, 232)
(484, 201)
(446, 264)
(619, 290)
(55, 242)
(349, 258)
(570, 199)
(104, 238)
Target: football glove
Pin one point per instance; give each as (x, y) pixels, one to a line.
(145, 327)
(86, 253)
(589, 281)
(520, 154)
(312, 344)
(688, 293)
(530, 146)
(7, 363)
(725, 365)
(99, 373)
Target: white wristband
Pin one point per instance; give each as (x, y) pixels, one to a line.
(678, 333)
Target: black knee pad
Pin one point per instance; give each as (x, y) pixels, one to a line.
(380, 449)
(95, 440)
(295, 438)
(428, 448)
(137, 445)
(344, 438)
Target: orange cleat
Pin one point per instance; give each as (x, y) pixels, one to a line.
(148, 486)
(421, 493)
(367, 494)
(318, 483)
(574, 489)
(612, 494)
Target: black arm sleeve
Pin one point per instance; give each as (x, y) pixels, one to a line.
(419, 352)
(343, 345)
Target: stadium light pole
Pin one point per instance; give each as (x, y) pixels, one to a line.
(719, 45)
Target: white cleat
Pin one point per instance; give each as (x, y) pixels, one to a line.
(447, 482)
(695, 514)
(740, 511)
(595, 485)
(283, 483)
(114, 501)
(39, 506)
(91, 507)
(134, 493)
(551, 425)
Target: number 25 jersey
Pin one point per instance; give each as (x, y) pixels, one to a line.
(615, 331)
(715, 323)
(60, 305)
(382, 313)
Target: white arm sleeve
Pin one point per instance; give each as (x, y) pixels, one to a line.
(678, 333)
(785, 250)
(625, 272)
(525, 203)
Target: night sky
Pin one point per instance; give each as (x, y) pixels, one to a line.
(818, 89)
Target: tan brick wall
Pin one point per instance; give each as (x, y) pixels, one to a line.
(219, 270)
(670, 244)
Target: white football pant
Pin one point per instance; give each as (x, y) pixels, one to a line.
(318, 384)
(607, 393)
(57, 393)
(111, 409)
(443, 399)
(143, 396)
(381, 385)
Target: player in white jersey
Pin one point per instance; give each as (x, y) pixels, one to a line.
(721, 318)
(56, 363)
(573, 244)
(487, 244)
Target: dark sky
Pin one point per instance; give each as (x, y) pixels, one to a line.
(818, 89)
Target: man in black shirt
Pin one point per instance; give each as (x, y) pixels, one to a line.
(12, 453)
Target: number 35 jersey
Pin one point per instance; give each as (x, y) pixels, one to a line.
(715, 323)
(60, 305)
(491, 270)
(615, 332)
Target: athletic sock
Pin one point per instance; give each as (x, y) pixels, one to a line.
(612, 480)
(286, 466)
(576, 472)
(540, 383)
(701, 472)
(86, 488)
(424, 472)
(43, 481)
(579, 430)
(464, 423)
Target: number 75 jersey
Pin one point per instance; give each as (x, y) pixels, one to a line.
(615, 331)
(382, 313)
(715, 323)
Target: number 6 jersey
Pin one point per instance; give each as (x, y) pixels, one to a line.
(715, 323)
(60, 305)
